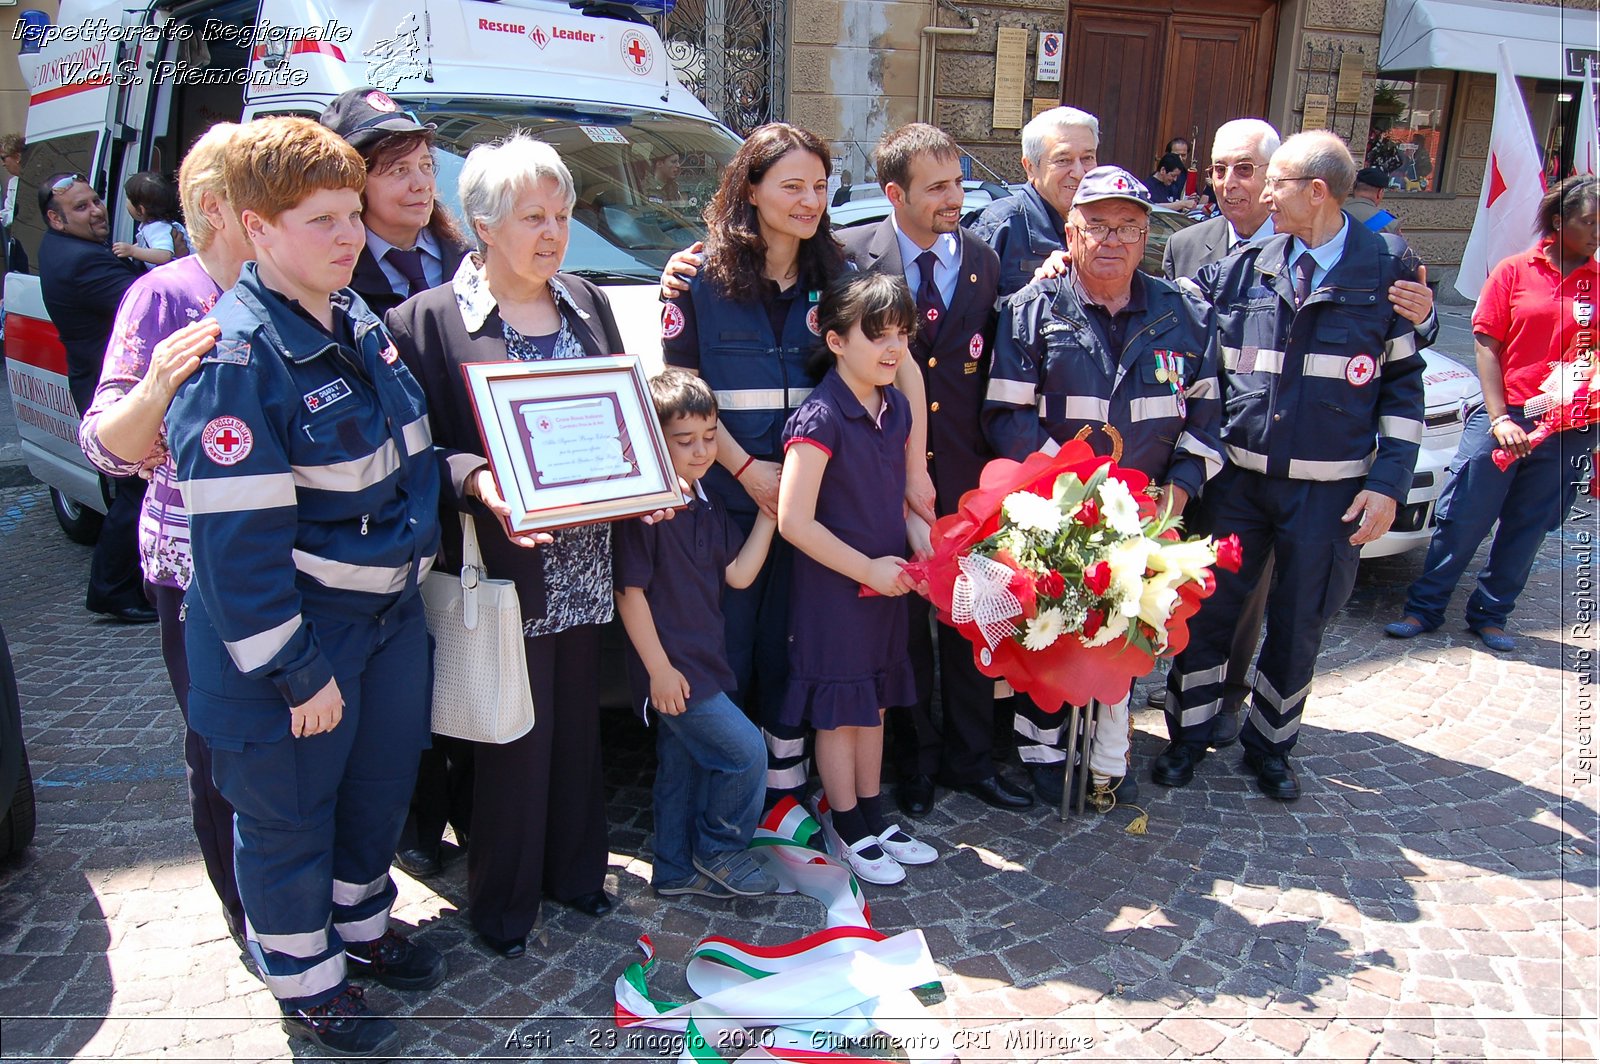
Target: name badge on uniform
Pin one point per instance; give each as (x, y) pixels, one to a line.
(327, 395)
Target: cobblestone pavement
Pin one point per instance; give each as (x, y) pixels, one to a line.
(1433, 896)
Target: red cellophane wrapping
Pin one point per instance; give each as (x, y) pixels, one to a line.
(1066, 672)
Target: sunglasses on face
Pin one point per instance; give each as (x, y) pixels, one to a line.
(1243, 171)
(66, 181)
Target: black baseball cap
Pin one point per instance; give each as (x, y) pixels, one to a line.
(366, 115)
(1373, 177)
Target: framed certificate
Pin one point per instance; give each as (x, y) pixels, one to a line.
(572, 440)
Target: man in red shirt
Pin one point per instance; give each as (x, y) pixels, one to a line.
(1536, 312)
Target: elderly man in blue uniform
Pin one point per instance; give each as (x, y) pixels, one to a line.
(954, 277)
(1322, 383)
(1058, 148)
(305, 459)
(1107, 355)
(1240, 152)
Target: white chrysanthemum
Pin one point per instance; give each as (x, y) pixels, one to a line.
(1044, 629)
(1119, 509)
(1188, 560)
(1032, 512)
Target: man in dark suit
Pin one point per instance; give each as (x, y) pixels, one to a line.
(954, 276)
(82, 282)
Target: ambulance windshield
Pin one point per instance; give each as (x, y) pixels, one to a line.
(642, 178)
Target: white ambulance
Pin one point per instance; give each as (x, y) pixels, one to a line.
(116, 89)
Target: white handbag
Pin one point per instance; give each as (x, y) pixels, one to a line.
(480, 667)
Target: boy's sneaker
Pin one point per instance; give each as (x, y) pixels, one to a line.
(343, 1026)
(739, 872)
(396, 962)
(700, 885)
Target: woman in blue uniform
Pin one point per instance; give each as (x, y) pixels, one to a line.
(747, 325)
(303, 453)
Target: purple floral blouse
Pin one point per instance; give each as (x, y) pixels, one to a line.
(158, 304)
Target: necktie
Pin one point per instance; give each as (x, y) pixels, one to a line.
(409, 263)
(930, 307)
(1304, 267)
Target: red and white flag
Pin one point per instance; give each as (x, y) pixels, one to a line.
(1586, 145)
(1513, 182)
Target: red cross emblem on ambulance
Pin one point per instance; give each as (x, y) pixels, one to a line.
(1360, 370)
(637, 53)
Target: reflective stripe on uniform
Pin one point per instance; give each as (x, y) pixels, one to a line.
(304, 944)
(318, 979)
(254, 651)
(788, 779)
(224, 495)
(1017, 393)
(1333, 366)
(351, 893)
(761, 398)
(1029, 730)
(364, 930)
(1264, 688)
(1271, 734)
(1255, 463)
(373, 579)
(1200, 714)
(1266, 360)
(1190, 680)
(1212, 458)
(782, 748)
(1400, 428)
(357, 474)
(1202, 388)
(1300, 469)
(1399, 348)
(418, 435)
(1150, 407)
(1074, 408)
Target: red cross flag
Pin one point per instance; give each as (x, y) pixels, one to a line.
(1513, 182)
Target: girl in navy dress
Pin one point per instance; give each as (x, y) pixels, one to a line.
(840, 503)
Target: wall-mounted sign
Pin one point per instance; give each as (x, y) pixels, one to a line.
(1051, 47)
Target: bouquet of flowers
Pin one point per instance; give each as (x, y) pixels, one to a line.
(1568, 399)
(1065, 578)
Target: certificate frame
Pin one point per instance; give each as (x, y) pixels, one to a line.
(572, 441)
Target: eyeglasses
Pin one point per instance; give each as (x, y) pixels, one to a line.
(1274, 182)
(1125, 233)
(66, 181)
(1243, 171)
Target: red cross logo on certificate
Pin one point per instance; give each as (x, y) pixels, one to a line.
(544, 424)
(1360, 370)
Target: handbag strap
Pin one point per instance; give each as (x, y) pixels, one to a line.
(471, 572)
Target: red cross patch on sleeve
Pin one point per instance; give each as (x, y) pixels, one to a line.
(1360, 370)
(226, 440)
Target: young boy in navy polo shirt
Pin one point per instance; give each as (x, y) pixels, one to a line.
(711, 763)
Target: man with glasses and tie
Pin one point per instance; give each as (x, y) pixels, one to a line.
(82, 283)
(1239, 155)
(1322, 385)
(1108, 355)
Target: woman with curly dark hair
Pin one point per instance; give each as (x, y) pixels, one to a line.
(748, 324)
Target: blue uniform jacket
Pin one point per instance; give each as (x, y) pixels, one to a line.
(309, 475)
(1023, 230)
(1329, 392)
(759, 379)
(1054, 379)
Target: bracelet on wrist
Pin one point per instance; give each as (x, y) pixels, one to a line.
(742, 468)
(1497, 420)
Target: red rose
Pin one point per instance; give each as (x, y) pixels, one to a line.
(1052, 584)
(1097, 578)
(1088, 514)
(1229, 554)
(1021, 583)
(1093, 622)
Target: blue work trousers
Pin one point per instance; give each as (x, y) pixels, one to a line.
(711, 767)
(1298, 524)
(1529, 500)
(316, 819)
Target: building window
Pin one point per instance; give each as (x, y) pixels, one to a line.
(1410, 114)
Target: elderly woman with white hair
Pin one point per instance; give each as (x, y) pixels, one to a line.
(538, 815)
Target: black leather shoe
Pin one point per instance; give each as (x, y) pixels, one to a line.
(131, 614)
(915, 796)
(1174, 766)
(1157, 698)
(1274, 775)
(419, 862)
(1048, 784)
(506, 947)
(343, 1027)
(396, 962)
(995, 791)
(594, 903)
(1225, 729)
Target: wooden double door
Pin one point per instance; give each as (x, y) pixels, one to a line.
(1155, 69)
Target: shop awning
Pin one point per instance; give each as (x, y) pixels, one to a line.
(1545, 42)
